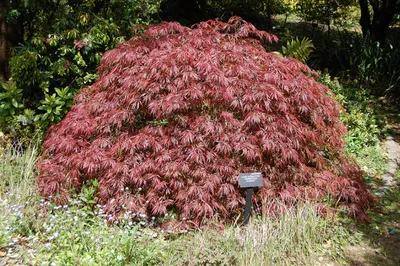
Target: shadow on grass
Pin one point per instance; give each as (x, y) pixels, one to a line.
(380, 244)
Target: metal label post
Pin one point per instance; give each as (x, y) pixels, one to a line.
(249, 181)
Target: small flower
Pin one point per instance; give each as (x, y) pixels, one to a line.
(120, 257)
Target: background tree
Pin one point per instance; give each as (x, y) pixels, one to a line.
(186, 12)
(259, 12)
(383, 12)
(63, 41)
(323, 11)
(11, 33)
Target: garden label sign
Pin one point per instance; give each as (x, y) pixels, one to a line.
(249, 181)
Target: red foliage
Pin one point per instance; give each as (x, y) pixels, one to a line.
(179, 112)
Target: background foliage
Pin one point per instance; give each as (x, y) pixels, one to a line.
(62, 47)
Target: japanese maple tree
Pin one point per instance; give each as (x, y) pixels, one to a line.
(177, 113)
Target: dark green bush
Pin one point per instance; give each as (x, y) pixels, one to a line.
(364, 120)
(62, 47)
(374, 66)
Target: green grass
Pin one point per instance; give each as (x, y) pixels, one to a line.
(38, 232)
(294, 237)
(372, 161)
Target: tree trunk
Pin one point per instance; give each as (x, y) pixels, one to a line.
(269, 15)
(10, 35)
(383, 13)
(365, 19)
(4, 54)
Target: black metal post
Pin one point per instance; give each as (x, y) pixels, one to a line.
(247, 208)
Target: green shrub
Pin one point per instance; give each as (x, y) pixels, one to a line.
(374, 66)
(62, 47)
(10, 101)
(364, 120)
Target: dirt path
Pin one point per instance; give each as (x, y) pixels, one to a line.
(392, 145)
